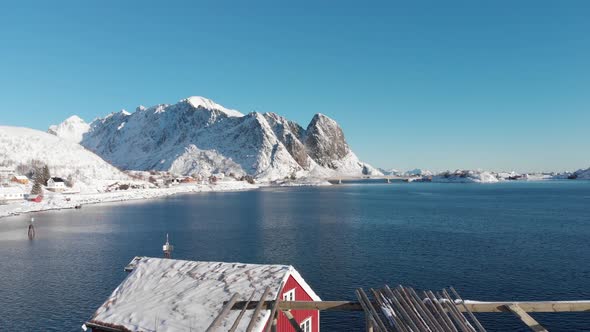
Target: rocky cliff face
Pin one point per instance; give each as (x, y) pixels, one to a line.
(325, 141)
(199, 136)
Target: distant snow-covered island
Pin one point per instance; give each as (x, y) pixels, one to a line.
(481, 176)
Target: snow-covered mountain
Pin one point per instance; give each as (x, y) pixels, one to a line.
(418, 172)
(582, 174)
(197, 135)
(72, 129)
(65, 158)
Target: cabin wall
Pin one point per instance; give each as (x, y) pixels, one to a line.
(283, 324)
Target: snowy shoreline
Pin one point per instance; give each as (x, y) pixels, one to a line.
(59, 201)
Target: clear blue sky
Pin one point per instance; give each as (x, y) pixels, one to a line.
(430, 84)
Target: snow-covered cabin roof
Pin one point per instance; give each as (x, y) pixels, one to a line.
(21, 177)
(188, 295)
(55, 179)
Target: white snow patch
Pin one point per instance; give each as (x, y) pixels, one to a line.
(72, 129)
(202, 102)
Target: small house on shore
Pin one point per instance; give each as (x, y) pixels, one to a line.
(188, 179)
(11, 194)
(20, 179)
(56, 184)
(177, 295)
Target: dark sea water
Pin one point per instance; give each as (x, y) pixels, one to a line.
(509, 241)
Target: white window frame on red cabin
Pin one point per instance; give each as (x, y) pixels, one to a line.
(307, 324)
(289, 295)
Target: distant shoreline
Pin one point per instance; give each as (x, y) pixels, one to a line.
(59, 202)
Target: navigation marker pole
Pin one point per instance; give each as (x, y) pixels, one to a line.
(167, 248)
(31, 232)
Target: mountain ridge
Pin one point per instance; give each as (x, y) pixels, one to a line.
(198, 136)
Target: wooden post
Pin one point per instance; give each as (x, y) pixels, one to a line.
(275, 321)
(479, 326)
(368, 323)
(292, 321)
(257, 310)
(237, 321)
(368, 307)
(525, 318)
(271, 325)
(226, 309)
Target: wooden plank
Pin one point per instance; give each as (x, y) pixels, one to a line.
(471, 315)
(272, 322)
(410, 310)
(536, 306)
(399, 325)
(292, 321)
(367, 310)
(404, 315)
(368, 307)
(457, 316)
(433, 322)
(440, 312)
(368, 323)
(237, 321)
(226, 309)
(526, 318)
(257, 310)
(528, 306)
(305, 305)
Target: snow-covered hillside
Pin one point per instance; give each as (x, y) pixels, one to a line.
(199, 136)
(65, 158)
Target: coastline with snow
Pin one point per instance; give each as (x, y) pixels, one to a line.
(61, 201)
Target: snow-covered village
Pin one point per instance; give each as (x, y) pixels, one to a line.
(308, 166)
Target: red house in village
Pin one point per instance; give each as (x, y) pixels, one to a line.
(176, 295)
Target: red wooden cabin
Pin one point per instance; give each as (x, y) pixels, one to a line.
(309, 320)
(173, 295)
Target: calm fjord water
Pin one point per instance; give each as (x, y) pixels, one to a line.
(509, 241)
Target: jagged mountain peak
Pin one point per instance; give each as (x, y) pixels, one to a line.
(322, 118)
(325, 141)
(74, 119)
(202, 102)
(71, 129)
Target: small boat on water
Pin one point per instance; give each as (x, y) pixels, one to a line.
(79, 206)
